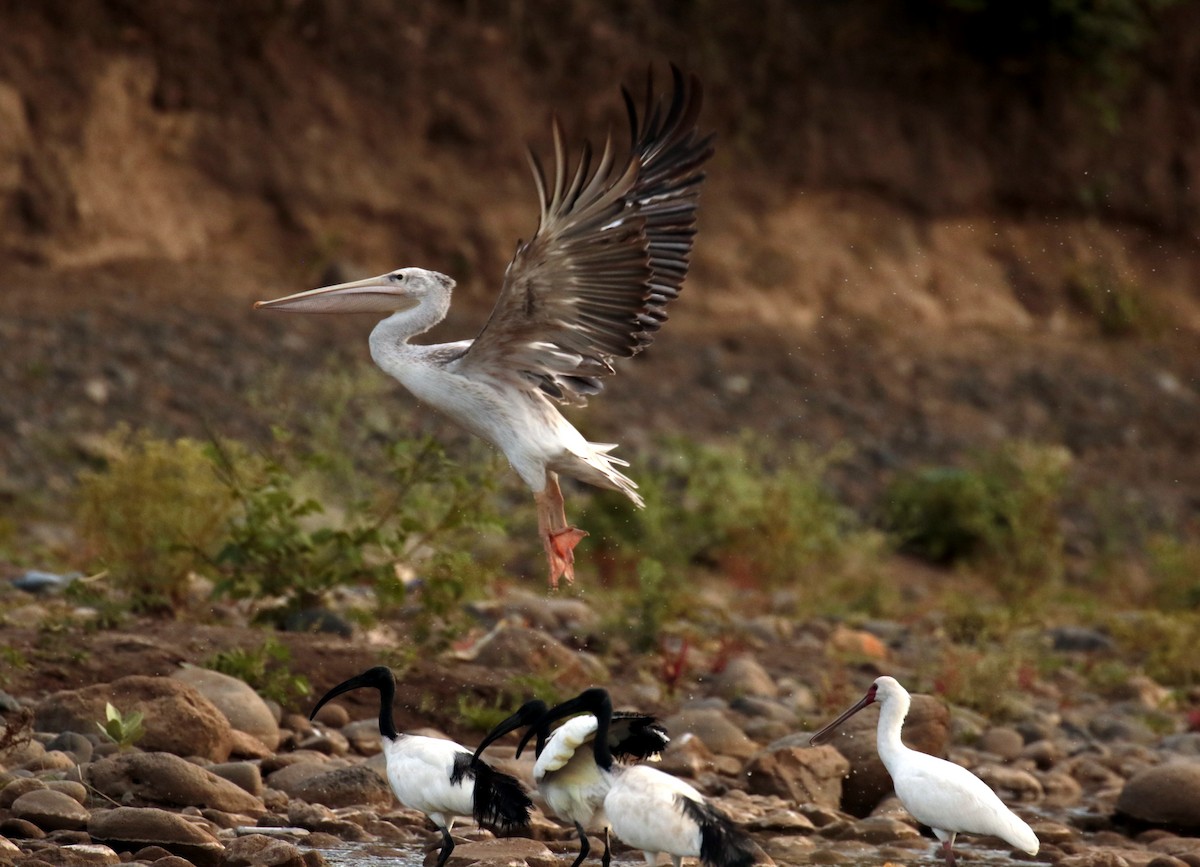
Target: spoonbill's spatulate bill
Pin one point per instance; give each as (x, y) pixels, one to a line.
(442, 779)
(611, 251)
(946, 797)
(566, 772)
(651, 810)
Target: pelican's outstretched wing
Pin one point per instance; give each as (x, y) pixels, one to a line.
(610, 252)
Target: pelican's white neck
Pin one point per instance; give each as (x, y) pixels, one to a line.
(403, 325)
(892, 711)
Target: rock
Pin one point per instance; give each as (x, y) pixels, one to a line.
(162, 778)
(244, 775)
(136, 827)
(1167, 794)
(17, 788)
(344, 787)
(79, 855)
(1002, 741)
(1011, 783)
(70, 788)
(516, 648)
(21, 829)
(927, 728)
(877, 830)
(503, 851)
(803, 775)
(744, 676)
(336, 716)
(74, 744)
(177, 718)
(52, 760)
(50, 810)
(259, 850)
(246, 746)
(687, 756)
(241, 705)
(1079, 639)
(714, 729)
(287, 778)
(857, 643)
(20, 753)
(363, 735)
(1096, 857)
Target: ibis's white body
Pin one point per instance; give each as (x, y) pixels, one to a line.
(567, 776)
(419, 769)
(946, 797)
(643, 810)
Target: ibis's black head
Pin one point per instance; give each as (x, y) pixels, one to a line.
(381, 678)
(527, 714)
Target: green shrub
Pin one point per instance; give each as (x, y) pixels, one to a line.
(1163, 645)
(1001, 513)
(760, 514)
(148, 511)
(1175, 573)
(284, 544)
(1119, 308)
(265, 669)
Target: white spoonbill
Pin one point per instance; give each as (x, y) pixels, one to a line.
(610, 252)
(651, 810)
(440, 778)
(566, 772)
(946, 797)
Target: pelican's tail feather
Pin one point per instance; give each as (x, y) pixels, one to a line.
(722, 842)
(597, 467)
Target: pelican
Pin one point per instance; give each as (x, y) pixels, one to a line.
(566, 775)
(651, 810)
(610, 252)
(440, 778)
(946, 797)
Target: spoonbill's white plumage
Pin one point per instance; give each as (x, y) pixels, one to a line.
(945, 796)
(651, 810)
(566, 773)
(442, 779)
(611, 250)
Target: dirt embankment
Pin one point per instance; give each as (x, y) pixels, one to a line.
(899, 239)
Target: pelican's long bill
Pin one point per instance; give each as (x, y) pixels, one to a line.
(826, 734)
(382, 294)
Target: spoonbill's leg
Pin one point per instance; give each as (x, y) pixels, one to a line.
(558, 537)
(948, 851)
(606, 858)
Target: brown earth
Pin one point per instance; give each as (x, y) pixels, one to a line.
(889, 235)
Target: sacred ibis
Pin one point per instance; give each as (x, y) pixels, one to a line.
(442, 779)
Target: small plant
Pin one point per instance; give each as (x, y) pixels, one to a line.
(284, 544)
(1119, 307)
(123, 730)
(1000, 513)
(1162, 644)
(1175, 573)
(146, 513)
(12, 659)
(265, 669)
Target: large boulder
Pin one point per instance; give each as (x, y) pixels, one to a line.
(177, 718)
(134, 828)
(801, 775)
(927, 729)
(345, 787)
(161, 778)
(1167, 795)
(714, 728)
(241, 705)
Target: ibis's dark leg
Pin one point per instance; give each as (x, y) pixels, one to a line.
(584, 845)
(607, 856)
(447, 847)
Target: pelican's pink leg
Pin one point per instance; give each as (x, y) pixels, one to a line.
(558, 537)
